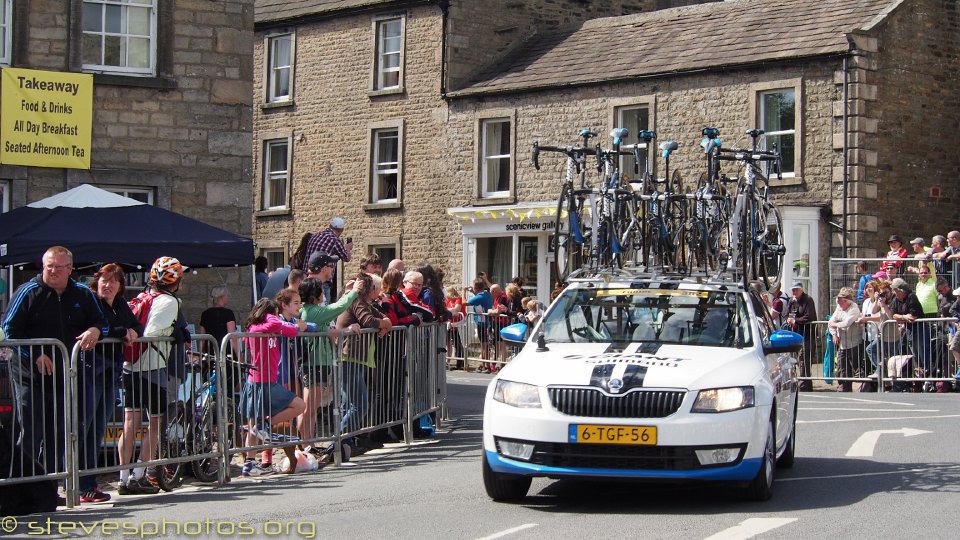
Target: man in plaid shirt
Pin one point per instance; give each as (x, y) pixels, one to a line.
(328, 241)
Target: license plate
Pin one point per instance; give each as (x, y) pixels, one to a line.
(604, 434)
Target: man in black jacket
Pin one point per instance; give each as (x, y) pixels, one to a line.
(801, 311)
(51, 305)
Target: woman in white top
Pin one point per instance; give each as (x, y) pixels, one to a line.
(848, 338)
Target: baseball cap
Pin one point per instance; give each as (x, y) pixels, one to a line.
(847, 293)
(319, 259)
(880, 274)
(895, 238)
(338, 223)
(917, 240)
(797, 285)
(900, 284)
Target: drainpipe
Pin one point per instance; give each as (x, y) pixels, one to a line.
(845, 158)
(445, 13)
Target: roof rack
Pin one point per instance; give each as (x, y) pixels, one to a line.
(613, 273)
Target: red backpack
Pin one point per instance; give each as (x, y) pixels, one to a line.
(140, 306)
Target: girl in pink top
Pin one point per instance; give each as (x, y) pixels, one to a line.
(263, 400)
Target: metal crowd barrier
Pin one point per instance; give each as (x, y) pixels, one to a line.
(890, 356)
(35, 432)
(68, 426)
(484, 349)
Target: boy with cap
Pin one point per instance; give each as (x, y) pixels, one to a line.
(322, 265)
(897, 252)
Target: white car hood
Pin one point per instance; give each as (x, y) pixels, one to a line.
(672, 366)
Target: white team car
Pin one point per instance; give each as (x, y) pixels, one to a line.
(665, 380)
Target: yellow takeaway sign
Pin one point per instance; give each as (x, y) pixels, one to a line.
(45, 118)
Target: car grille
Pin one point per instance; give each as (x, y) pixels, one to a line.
(603, 456)
(592, 402)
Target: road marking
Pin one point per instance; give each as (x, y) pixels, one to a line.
(751, 528)
(867, 410)
(856, 475)
(881, 418)
(509, 531)
(823, 399)
(866, 443)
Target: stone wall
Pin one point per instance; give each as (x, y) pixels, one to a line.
(909, 125)
(186, 134)
(330, 122)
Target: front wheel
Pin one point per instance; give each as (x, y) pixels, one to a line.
(761, 487)
(173, 443)
(769, 252)
(504, 487)
(205, 441)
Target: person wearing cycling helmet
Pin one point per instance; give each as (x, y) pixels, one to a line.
(145, 382)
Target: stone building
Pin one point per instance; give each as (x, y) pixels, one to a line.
(413, 120)
(171, 126)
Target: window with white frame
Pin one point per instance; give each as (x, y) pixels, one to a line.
(635, 119)
(495, 158)
(120, 36)
(6, 31)
(778, 120)
(385, 181)
(276, 258)
(144, 195)
(280, 68)
(276, 174)
(388, 54)
(4, 196)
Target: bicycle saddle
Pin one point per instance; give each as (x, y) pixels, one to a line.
(619, 134)
(667, 147)
(647, 136)
(755, 132)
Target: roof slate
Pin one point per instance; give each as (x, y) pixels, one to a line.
(700, 37)
(276, 10)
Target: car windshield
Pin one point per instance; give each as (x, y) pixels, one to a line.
(637, 314)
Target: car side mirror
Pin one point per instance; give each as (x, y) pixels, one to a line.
(515, 333)
(783, 341)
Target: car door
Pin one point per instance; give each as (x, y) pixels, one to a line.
(778, 367)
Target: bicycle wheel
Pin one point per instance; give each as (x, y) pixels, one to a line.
(566, 244)
(769, 255)
(677, 225)
(745, 236)
(626, 229)
(205, 440)
(174, 434)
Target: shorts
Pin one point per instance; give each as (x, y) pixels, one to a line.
(141, 393)
(955, 342)
(483, 332)
(260, 400)
(314, 375)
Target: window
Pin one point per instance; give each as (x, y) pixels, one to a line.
(280, 68)
(778, 121)
(635, 119)
(388, 54)
(386, 253)
(4, 196)
(6, 31)
(120, 36)
(144, 195)
(276, 258)
(276, 174)
(385, 183)
(495, 159)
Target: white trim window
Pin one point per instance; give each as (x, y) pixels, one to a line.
(144, 195)
(388, 57)
(635, 119)
(496, 159)
(4, 196)
(280, 68)
(385, 181)
(120, 36)
(6, 31)
(276, 174)
(778, 121)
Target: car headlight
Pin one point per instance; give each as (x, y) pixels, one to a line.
(526, 396)
(715, 400)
